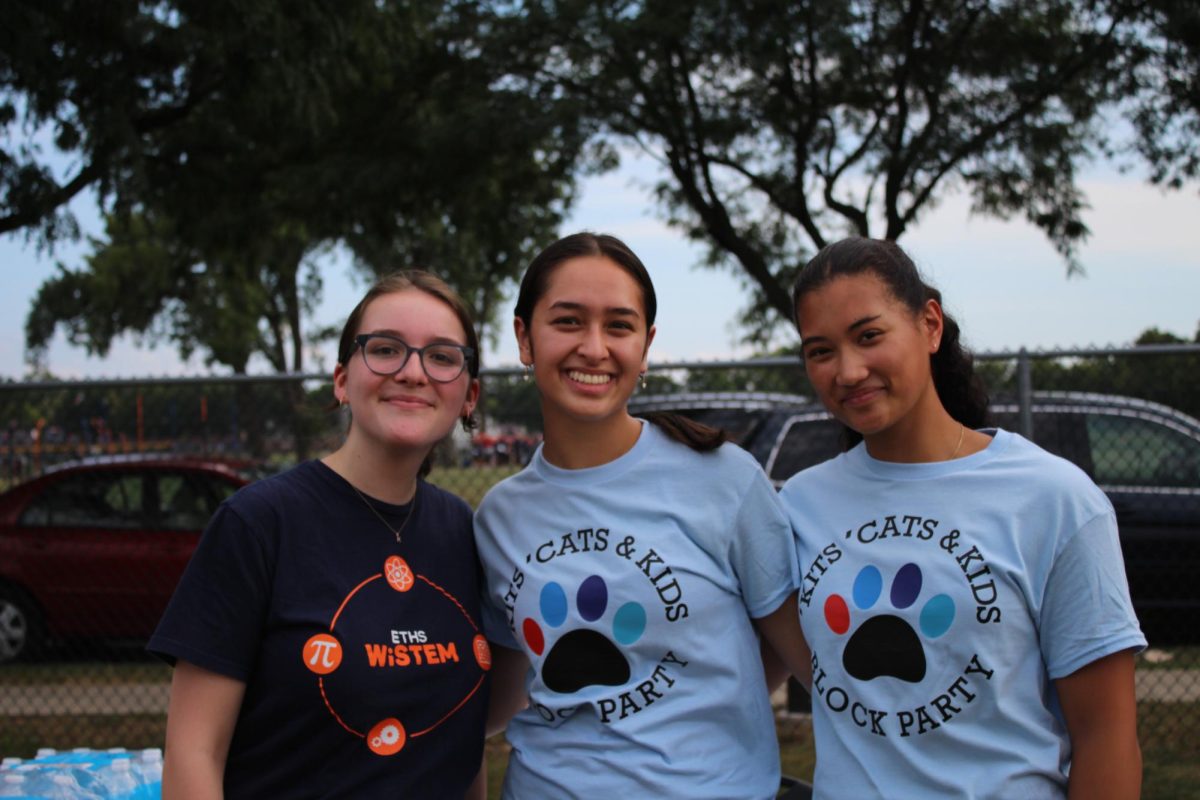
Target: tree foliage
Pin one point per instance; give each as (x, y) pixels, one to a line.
(387, 126)
(782, 126)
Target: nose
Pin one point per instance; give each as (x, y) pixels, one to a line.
(412, 371)
(592, 346)
(851, 369)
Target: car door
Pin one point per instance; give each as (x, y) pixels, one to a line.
(84, 536)
(108, 546)
(1150, 470)
(181, 502)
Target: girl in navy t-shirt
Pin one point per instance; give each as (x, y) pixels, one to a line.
(326, 634)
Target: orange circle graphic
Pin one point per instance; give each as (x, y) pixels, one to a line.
(483, 653)
(322, 654)
(398, 575)
(387, 737)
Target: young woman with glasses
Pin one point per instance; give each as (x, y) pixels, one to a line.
(326, 634)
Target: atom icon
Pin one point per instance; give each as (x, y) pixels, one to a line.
(398, 574)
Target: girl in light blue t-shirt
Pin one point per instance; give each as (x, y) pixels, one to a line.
(629, 566)
(963, 590)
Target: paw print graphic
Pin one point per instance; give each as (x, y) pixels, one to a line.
(583, 656)
(886, 644)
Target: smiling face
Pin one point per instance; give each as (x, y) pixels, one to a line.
(587, 340)
(867, 354)
(405, 410)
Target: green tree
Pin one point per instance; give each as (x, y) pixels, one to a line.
(387, 126)
(781, 126)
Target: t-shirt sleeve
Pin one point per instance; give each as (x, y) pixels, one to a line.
(1086, 611)
(495, 623)
(763, 552)
(216, 616)
(493, 617)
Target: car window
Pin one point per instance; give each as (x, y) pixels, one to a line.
(1058, 431)
(186, 500)
(182, 503)
(89, 501)
(1137, 452)
(804, 444)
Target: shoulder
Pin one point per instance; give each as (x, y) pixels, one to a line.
(520, 484)
(834, 471)
(444, 502)
(1045, 472)
(726, 457)
(279, 492)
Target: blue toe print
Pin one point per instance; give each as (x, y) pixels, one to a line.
(553, 605)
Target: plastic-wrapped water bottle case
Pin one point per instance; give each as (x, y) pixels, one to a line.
(84, 774)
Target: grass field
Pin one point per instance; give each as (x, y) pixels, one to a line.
(1170, 749)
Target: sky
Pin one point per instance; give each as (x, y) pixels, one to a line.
(1002, 280)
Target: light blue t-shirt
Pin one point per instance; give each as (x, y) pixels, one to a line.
(631, 587)
(941, 601)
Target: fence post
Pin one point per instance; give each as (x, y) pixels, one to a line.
(1025, 393)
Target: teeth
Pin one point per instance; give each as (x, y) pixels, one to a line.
(584, 377)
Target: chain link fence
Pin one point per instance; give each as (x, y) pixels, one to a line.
(88, 557)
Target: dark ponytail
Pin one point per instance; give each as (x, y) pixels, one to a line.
(696, 435)
(958, 386)
(699, 437)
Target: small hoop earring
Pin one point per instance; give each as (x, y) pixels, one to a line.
(643, 377)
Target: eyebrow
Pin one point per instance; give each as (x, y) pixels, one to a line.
(396, 335)
(569, 305)
(858, 323)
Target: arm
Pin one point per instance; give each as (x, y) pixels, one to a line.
(1100, 708)
(200, 720)
(509, 669)
(774, 670)
(781, 630)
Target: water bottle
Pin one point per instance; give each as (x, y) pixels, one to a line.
(14, 785)
(63, 786)
(119, 780)
(151, 767)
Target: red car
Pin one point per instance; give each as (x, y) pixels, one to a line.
(94, 549)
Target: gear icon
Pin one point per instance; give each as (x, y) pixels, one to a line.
(387, 737)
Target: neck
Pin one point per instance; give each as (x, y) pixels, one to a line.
(572, 444)
(386, 474)
(926, 435)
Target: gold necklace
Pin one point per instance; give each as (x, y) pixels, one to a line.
(962, 431)
(396, 531)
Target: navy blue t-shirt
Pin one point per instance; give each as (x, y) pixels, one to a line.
(363, 658)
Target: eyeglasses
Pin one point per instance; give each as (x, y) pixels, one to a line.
(387, 355)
